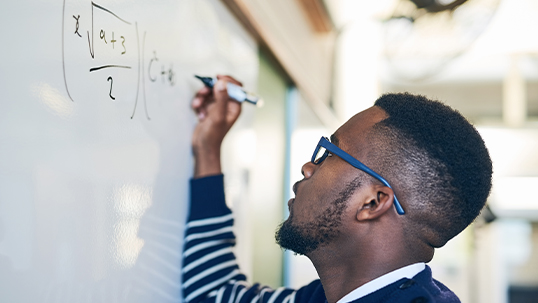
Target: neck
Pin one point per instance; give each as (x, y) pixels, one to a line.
(341, 272)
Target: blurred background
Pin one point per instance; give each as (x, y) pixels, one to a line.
(478, 56)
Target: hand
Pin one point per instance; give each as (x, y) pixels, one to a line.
(216, 114)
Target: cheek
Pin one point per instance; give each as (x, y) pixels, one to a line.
(313, 201)
(330, 184)
(317, 193)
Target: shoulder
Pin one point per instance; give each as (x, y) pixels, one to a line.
(311, 293)
(415, 291)
(422, 288)
(437, 290)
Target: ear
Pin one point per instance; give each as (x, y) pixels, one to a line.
(377, 201)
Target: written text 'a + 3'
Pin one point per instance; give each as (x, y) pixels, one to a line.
(102, 35)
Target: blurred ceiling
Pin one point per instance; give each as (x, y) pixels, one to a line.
(463, 56)
(473, 42)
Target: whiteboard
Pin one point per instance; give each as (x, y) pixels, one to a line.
(95, 130)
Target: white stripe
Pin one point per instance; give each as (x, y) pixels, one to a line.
(209, 221)
(259, 296)
(209, 271)
(275, 295)
(206, 258)
(208, 234)
(220, 294)
(211, 285)
(290, 298)
(207, 244)
(232, 296)
(212, 294)
(241, 293)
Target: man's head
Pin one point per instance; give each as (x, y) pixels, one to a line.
(437, 161)
(432, 157)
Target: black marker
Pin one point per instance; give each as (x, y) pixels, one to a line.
(234, 91)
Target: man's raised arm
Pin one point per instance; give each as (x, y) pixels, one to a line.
(210, 271)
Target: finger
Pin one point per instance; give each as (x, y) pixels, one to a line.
(229, 79)
(199, 103)
(221, 97)
(203, 92)
(202, 98)
(196, 103)
(233, 112)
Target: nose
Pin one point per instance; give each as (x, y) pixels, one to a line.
(308, 169)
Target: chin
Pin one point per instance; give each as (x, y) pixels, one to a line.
(292, 237)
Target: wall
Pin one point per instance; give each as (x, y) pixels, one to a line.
(305, 53)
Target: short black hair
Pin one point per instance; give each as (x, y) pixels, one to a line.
(436, 161)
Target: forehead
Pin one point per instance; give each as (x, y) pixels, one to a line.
(352, 134)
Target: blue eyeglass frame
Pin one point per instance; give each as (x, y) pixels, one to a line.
(329, 147)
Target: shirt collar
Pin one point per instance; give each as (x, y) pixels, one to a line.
(408, 271)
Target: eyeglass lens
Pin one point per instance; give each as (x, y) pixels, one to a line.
(320, 155)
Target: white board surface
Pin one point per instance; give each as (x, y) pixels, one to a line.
(95, 129)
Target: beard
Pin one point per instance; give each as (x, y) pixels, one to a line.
(304, 238)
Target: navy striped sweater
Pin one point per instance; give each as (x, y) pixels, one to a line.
(211, 274)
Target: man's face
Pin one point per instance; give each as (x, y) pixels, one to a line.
(319, 211)
(303, 238)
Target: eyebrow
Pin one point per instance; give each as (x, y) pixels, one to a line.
(334, 139)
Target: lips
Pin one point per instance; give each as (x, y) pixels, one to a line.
(290, 202)
(295, 186)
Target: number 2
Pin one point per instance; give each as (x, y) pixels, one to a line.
(111, 81)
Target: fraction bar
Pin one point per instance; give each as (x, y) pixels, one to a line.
(107, 66)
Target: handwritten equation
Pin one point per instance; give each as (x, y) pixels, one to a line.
(114, 51)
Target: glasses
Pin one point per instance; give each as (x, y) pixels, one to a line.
(325, 147)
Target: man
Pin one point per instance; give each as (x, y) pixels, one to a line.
(393, 183)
